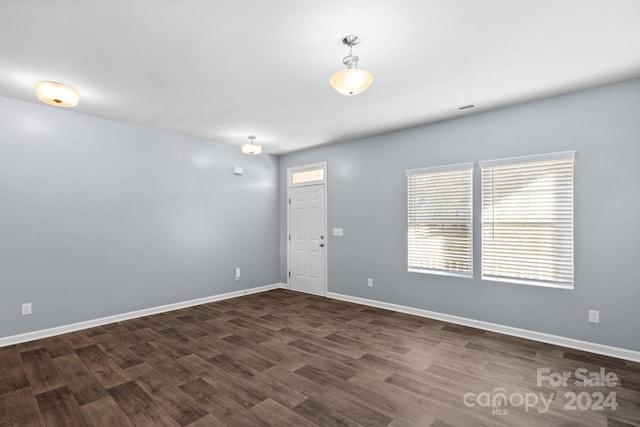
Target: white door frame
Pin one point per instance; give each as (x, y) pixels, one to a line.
(290, 185)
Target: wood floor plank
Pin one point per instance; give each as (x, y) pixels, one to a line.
(247, 347)
(19, 408)
(367, 343)
(340, 399)
(367, 396)
(432, 402)
(105, 413)
(77, 339)
(119, 353)
(193, 345)
(139, 407)
(227, 328)
(176, 403)
(247, 392)
(12, 375)
(59, 408)
(84, 386)
(239, 389)
(318, 350)
(249, 357)
(267, 385)
(207, 421)
(233, 366)
(163, 363)
(107, 372)
(322, 415)
(277, 415)
(41, 373)
(220, 404)
(57, 346)
(160, 342)
(242, 322)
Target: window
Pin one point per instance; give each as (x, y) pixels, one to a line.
(304, 177)
(527, 219)
(307, 174)
(439, 218)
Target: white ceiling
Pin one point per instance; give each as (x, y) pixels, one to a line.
(221, 69)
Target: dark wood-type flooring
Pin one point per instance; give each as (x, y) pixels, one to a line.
(285, 358)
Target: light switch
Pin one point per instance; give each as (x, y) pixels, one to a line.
(338, 232)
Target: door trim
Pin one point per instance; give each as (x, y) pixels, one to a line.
(324, 183)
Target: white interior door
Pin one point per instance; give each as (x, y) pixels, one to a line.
(307, 239)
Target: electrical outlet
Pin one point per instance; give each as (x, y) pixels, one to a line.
(370, 283)
(26, 309)
(594, 316)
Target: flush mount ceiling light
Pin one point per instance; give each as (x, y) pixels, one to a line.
(251, 147)
(351, 81)
(57, 94)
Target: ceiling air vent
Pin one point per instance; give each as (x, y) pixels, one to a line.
(463, 107)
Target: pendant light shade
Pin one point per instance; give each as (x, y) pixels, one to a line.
(351, 81)
(251, 147)
(57, 94)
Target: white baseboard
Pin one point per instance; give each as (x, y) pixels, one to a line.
(45, 333)
(605, 350)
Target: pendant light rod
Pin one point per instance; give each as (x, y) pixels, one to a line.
(351, 60)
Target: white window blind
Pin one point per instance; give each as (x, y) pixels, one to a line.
(527, 219)
(439, 217)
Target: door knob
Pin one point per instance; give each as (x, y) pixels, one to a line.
(322, 245)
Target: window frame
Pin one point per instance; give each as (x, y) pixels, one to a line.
(307, 168)
(564, 155)
(468, 167)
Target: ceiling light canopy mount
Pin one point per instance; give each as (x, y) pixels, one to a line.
(351, 61)
(251, 147)
(57, 94)
(351, 81)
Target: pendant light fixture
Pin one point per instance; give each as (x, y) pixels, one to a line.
(57, 94)
(251, 147)
(353, 80)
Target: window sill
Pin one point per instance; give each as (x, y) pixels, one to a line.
(440, 272)
(567, 286)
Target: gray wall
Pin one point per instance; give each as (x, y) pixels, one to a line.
(100, 218)
(367, 197)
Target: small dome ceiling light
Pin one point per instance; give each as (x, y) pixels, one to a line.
(351, 81)
(57, 94)
(251, 147)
